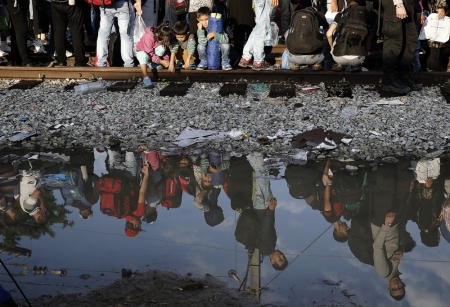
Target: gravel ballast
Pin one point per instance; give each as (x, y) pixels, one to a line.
(140, 116)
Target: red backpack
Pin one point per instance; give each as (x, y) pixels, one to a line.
(101, 3)
(178, 6)
(118, 196)
(172, 192)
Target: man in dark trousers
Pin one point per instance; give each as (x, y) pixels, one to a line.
(400, 41)
(64, 14)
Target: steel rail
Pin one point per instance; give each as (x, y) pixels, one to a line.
(122, 73)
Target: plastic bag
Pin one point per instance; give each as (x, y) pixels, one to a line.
(272, 35)
(215, 24)
(285, 64)
(138, 30)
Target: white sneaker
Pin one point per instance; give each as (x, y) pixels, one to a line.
(3, 53)
(68, 54)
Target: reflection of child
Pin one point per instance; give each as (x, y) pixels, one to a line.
(31, 200)
(133, 221)
(153, 50)
(187, 45)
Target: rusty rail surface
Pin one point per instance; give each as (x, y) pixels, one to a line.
(121, 73)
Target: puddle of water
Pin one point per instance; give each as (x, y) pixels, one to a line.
(321, 270)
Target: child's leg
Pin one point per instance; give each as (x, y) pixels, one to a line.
(143, 59)
(225, 50)
(202, 53)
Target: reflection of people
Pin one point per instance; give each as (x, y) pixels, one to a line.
(264, 205)
(31, 200)
(8, 203)
(133, 223)
(332, 207)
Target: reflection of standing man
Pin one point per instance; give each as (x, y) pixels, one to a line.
(385, 230)
(264, 205)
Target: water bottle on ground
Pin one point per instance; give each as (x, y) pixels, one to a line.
(90, 87)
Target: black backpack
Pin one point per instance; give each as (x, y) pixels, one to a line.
(304, 36)
(353, 28)
(247, 228)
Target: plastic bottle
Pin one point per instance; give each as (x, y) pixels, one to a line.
(90, 87)
(321, 29)
(285, 60)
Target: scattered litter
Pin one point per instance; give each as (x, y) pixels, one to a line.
(85, 276)
(310, 89)
(22, 135)
(300, 156)
(355, 150)
(191, 136)
(384, 102)
(318, 136)
(54, 127)
(375, 133)
(349, 112)
(257, 87)
(244, 105)
(389, 160)
(23, 118)
(235, 154)
(237, 135)
(327, 144)
(60, 272)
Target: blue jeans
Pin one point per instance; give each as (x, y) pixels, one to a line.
(255, 43)
(121, 11)
(224, 50)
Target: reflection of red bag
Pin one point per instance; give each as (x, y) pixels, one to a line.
(100, 2)
(118, 196)
(178, 6)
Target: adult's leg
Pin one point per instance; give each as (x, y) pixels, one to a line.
(60, 22)
(19, 31)
(75, 17)
(285, 15)
(126, 40)
(106, 22)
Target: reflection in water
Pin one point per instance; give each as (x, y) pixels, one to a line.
(368, 205)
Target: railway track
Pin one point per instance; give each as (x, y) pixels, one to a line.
(120, 73)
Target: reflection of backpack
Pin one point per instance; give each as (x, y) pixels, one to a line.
(101, 3)
(360, 239)
(353, 28)
(171, 192)
(247, 228)
(178, 6)
(118, 196)
(304, 36)
(348, 189)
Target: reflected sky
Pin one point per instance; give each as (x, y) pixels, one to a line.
(320, 269)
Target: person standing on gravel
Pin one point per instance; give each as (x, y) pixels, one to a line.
(400, 41)
(255, 44)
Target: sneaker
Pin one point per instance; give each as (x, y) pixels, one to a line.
(316, 67)
(409, 82)
(244, 63)
(69, 54)
(192, 67)
(282, 41)
(226, 66)
(294, 66)
(337, 67)
(356, 68)
(202, 66)
(262, 66)
(3, 53)
(148, 83)
(391, 84)
(179, 65)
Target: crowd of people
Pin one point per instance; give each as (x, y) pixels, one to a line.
(368, 207)
(224, 34)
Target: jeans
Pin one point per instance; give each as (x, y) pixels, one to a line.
(263, 193)
(285, 15)
(255, 43)
(224, 50)
(121, 11)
